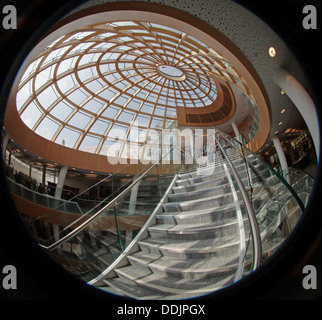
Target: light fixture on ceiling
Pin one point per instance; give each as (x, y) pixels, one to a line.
(272, 52)
(283, 110)
(280, 123)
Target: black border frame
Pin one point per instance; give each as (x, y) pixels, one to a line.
(41, 278)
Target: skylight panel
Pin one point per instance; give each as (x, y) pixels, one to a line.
(65, 65)
(32, 67)
(80, 120)
(118, 132)
(111, 112)
(108, 94)
(159, 111)
(43, 77)
(106, 35)
(89, 143)
(94, 105)
(134, 104)
(68, 137)
(66, 83)
(147, 108)
(23, 94)
(55, 54)
(79, 36)
(47, 128)
(100, 127)
(81, 47)
(62, 110)
(142, 120)
(77, 97)
(94, 86)
(126, 117)
(121, 100)
(157, 123)
(48, 96)
(123, 23)
(31, 114)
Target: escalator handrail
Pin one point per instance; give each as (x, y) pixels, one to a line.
(110, 204)
(257, 244)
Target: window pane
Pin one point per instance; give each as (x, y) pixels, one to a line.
(89, 144)
(126, 117)
(118, 132)
(31, 115)
(47, 128)
(80, 120)
(68, 137)
(62, 110)
(100, 127)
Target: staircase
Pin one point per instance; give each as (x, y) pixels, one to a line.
(195, 246)
(179, 232)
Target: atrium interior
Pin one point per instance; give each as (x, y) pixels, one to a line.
(159, 154)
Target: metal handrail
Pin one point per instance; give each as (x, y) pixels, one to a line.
(257, 244)
(82, 192)
(287, 185)
(110, 204)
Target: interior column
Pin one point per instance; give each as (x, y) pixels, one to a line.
(236, 131)
(303, 102)
(282, 158)
(61, 181)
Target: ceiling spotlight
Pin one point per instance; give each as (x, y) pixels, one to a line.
(282, 111)
(272, 52)
(282, 92)
(280, 123)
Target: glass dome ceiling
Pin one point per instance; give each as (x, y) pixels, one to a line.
(110, 83)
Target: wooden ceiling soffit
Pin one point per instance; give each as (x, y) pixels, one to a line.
(219, 112)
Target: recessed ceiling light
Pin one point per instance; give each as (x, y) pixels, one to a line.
(280, 123)
(276, 132)
(282, 92)
(282, 111)
(272, 52)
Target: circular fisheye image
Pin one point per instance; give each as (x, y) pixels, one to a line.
(157, 152)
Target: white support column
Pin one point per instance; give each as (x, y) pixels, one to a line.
(61, 181)
(44, 169)
(282, 158)
(236, 131)
(134, 196)
(4, 145)
(56, 236)
(303, 102)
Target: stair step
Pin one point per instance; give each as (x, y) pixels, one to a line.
(129, 288)
(188, 269)
(211, 215)
(193, 232)
(200, 193)
(191, 248)
(203, 203)
(172, 285)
